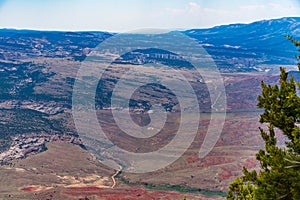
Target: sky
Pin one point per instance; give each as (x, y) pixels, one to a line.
(129, 15)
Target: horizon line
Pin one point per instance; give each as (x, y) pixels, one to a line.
(109, 31)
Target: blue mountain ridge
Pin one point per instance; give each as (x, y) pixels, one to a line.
(234, 47)
(261, 42)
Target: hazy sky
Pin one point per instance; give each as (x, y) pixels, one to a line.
(128, 15)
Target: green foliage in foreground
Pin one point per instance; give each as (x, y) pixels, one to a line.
(279, 176)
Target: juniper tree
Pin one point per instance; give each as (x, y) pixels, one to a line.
(279, 174)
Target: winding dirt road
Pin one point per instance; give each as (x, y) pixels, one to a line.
(113, 177)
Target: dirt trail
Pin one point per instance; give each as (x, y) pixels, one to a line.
(113, 177)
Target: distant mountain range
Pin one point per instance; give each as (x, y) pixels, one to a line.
(235, 48)
(245, 46)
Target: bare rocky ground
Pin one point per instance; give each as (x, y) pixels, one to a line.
(66, 171)
(35, 123)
